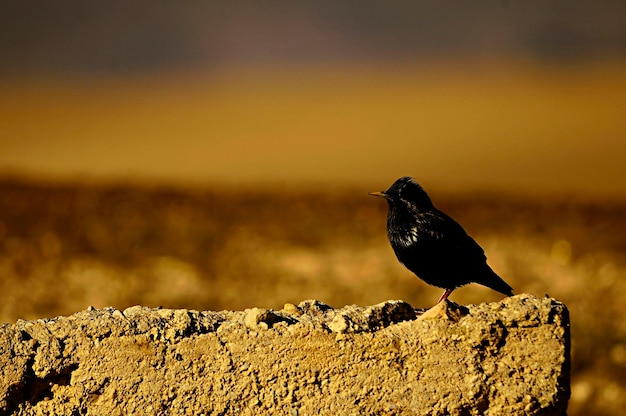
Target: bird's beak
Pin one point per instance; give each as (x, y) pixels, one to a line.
(379, 194)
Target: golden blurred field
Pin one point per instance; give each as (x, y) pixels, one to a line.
(65, 247)
(233, 189)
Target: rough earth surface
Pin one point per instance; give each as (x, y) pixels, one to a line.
(509, 357)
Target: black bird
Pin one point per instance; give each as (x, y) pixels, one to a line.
(431, 244)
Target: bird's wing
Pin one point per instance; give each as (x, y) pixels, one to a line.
(448, 238)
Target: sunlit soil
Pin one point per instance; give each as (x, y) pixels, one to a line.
(66, 247)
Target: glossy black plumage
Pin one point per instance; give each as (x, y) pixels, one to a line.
(431, 244)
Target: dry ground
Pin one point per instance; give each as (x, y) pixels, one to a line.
(65, 247)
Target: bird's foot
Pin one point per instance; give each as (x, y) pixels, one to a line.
(445, 295)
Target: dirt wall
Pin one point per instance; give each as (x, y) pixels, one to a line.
(510, 357)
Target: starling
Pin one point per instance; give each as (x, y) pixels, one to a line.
(431, 244)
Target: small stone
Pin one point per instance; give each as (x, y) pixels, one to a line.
(292, 309)
(339, 324)
(132, 311)
(118, 314)
(446, 310)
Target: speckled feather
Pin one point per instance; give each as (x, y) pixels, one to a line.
(431, 244)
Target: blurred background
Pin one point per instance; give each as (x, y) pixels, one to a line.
(210, 155)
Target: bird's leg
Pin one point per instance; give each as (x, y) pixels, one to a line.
(445, 295)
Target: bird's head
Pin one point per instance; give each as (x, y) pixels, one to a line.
(406, 191)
